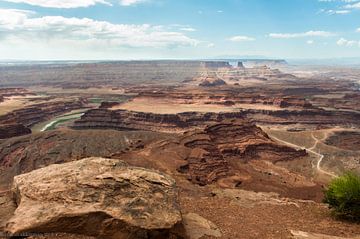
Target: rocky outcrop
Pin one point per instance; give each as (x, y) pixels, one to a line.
(37, 113)
(309, 235)
(292, 102)
(97, 197)
(217, 147)
(197, 227)
(347, 140)
(107, 105)
(211, 82)
(130, 120)
(13, 130)
(240, 64)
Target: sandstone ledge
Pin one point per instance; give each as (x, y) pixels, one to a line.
(96, 197)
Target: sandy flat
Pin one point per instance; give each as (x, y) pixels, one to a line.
(164, 106)
(56, 90)
(11, 104)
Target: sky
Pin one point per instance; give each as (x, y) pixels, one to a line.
(178, 29)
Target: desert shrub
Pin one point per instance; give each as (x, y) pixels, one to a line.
(343, 196)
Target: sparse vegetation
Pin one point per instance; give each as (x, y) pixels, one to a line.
(343, 196)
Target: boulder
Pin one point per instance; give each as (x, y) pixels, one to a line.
(98, 197)
(197, 227)
(308, 235)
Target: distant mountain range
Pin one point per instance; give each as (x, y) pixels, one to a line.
(253, 60)
(347, 61)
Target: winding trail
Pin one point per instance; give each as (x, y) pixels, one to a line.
(311, 150)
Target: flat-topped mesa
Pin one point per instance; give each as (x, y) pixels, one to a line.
(216, 149)
(215, 64)
(13, 130)
(131, 120)
(262, 62)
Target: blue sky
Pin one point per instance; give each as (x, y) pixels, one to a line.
(183, 29)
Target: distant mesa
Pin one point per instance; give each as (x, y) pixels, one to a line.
(240, 65)
(215, 64)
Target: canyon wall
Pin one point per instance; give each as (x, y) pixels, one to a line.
(13, 130)
(130, 120)
(37, 113)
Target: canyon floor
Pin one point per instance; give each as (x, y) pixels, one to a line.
(175, 149)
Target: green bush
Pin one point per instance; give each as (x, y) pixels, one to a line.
(343, 196)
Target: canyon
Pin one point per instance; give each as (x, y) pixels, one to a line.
(192, 141)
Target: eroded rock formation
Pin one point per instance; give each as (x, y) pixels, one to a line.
(216, 149)
(97, 197)
(286, 102)
(211, 82)
(240, 65)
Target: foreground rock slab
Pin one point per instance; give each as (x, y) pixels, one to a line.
(197, 227)
(308, 235)
(97, 197)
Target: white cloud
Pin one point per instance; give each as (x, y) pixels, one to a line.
(348, 43)
(131, 2)
(210, 45)
(340, 12)
(61, 3)
(310, 42)
(241, 38)
(302, 34)
(187, 29)
(353, 6)
(358, 30)
(345, 9)
(20, 26)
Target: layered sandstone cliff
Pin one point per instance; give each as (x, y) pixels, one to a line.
(130, 120)
(13, 130)
(36, 113)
